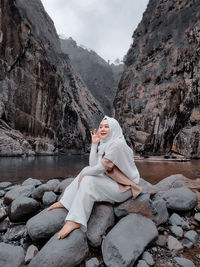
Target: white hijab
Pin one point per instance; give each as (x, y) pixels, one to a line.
(115, 148)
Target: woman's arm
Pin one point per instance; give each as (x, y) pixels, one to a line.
(95, 170)
(93, 158)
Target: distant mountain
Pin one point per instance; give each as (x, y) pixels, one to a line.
(100, 77)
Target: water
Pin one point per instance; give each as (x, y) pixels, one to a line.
(17, 169)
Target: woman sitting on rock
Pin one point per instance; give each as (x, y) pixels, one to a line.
(111, 176)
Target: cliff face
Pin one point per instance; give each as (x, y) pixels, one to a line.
(158, 100)
(40, 95)
(100, 77)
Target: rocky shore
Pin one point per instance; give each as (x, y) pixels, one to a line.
(159, 228)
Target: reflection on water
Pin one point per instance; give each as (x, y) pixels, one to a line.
(17, 169)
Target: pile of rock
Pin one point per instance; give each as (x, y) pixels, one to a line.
(159, 228)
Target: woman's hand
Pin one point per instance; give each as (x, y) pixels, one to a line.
(95, 136)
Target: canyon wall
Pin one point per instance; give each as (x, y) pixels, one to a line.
(158, 100)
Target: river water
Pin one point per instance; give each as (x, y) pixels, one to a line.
(17, 169)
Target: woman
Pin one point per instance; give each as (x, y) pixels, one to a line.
(93, 182)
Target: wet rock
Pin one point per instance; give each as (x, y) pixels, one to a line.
(23, 208)
(15, 233)
(61, 187)
(53, 184)
(12, 187)
(93, 262)
(160, 211)
(49, 198)
(119, 249)
(142, 263)
(3, 185)
(11, 256)
(24, 190)
(173, 243)
(187, 244)
(3, 211)
(181, 199)
(172, 181)
(31, 181)
(197, 217)
(192, 236)
(175, 219)
(2, 193)
(70, 251)
(177, 231)
(102, 217)
(161, 241)
(46, 223)
(30, 253)
(184, 262)
(147, 257)
(147, 187)
(4, 225)
(39, 191)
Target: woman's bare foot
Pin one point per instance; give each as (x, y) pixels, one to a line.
(55, 206)
(68, 228)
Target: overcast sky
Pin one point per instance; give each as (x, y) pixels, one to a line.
(105, 26)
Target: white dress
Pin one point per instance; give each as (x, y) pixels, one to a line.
(79, 199)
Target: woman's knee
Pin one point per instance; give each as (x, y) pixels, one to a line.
(88, 182)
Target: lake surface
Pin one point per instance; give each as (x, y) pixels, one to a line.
(17, 169)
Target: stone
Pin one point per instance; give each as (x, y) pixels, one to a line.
(2, 193)
(24, 190)
(177, 231)
(31, 181)
(12, 187)
(175, 219)
(43, 225)
(4, 225)
(22, 208)
(161, 241)
(173, 243)
(61, 187)
(30, 253)
(147, 187)
(192, 236)
(3, 211)
(39, 191)
(184, 262)
(197, 217)
(11, 256)
(49, 198)
(102, 217)
(93, 262)
(147, 257)
(3, 185)
(187, 244)
(15, 233)
(53, 184)
(123, 249)
(70, 251)
(172, 181)
(181, 199)
(160, 211)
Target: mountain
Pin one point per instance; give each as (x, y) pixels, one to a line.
(158, 100)
(100, 77)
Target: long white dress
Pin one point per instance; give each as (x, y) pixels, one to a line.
(79, 199)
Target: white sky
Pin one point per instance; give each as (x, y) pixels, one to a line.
(105, 26)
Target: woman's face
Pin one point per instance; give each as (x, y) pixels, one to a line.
(104, 129)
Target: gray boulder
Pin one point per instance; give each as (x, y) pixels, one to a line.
(146, 256)
(15, 233)
(181, 199)
(142, 263)
(31, 181)
(3, 185)
(192, 236)
(184, 262)
(30, 253)
(39, 191)
(161, 241)
(101, 219)
(172, 181)
(49, 198)
(160, 211)
(93, 262)
(4, 225)
(173, 243)
(147, 187)
(53, 184)
(70, 251)
(2, 193)
(127, 240)
(175, 219)
(177, 231)
(24, 190)
(22, 208)
(197, 217)
(46, 223)
(11, 256)
(61, 187)
(3, 210)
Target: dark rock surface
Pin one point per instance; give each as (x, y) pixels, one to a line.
(11, 256)
(157, 102)
(60, 188)
(24, 190)
(49, 198)
(39, 191)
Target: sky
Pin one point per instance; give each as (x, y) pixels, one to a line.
(105, 26)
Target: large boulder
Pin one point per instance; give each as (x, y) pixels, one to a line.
(160, 211)
(127, 240)
(52, 184)
(172, 181)
(31, 181)
(11, 256)
(3, 185)
(46, 223)
(70, 251)
(39, 191)
(61, 187)
(24, 190)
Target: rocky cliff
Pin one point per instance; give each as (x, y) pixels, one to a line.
(158, 100)
(40, 94)
(100, 77)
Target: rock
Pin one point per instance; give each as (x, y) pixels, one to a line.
(93, 262)
(147, 257)
(177, 231)
(39, 191)
(3, 185)
(22, 208)
(46, 223)
(187, 244)
(192, 236)
(49, 198)
(175, 219)
(31, 181)
(53, 184)
(181, 199)
(142, 263)
(9, 188)
(11, 256)
(30, 253)
(184, 262)
(147, 187)
(3, 211)
(2, 193)
(118, 249)
(61, 187)
(4, 225)
(161, 241)
(15, 233)
(102, 217)
(24, 190)
(70, 251)
(173, 243)
(170, 182)
(197, 217)
(160, 211)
